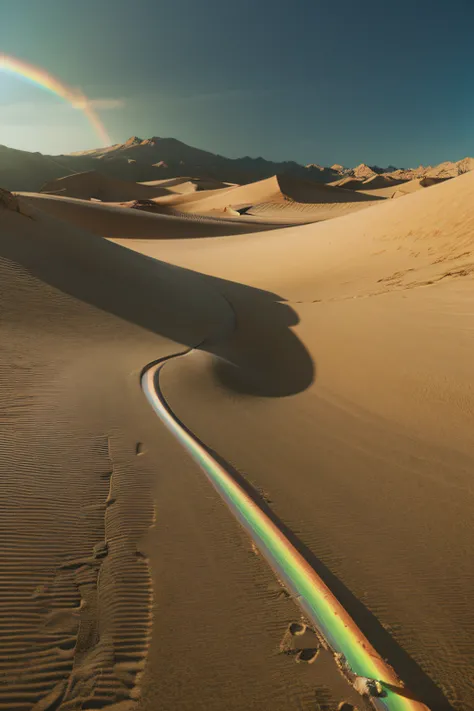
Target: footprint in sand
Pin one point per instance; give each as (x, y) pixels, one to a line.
(301, 642)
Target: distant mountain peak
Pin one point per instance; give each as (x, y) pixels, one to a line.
(147, 159)
(133, 141)
(364, 171)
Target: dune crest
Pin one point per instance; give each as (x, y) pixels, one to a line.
(263, 196)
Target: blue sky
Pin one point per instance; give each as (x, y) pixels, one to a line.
(308, 80)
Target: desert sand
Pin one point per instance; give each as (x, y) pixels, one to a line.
(397, 188)
(277, 189)
(328, 365)
(93, 184)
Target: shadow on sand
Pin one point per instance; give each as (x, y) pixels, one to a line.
(259, 354)
(249, 329)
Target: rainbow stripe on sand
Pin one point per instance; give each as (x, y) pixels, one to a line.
(335, 627)
(41, 78)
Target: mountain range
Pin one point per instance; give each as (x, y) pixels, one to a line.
(160, 158)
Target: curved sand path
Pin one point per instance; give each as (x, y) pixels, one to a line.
(183, 613)
(357, 659)
(357, 343)
(381, 439)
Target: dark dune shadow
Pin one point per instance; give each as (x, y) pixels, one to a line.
(261, 356)
(419, 685)
(257, 351)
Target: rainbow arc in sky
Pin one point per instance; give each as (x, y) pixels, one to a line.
(41, 78)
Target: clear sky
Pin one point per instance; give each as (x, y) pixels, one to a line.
(317, 81)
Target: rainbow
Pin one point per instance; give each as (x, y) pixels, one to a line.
(46, 81)
(356, 657)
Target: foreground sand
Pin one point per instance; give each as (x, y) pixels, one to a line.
(123, 577)
(336, 375)
(370, 458)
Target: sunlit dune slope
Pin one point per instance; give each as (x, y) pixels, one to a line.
(365, 450)
(114, 546)
(279, 188)
(399, 189)
(392, 243)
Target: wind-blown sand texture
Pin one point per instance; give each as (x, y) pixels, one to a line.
(330, 366)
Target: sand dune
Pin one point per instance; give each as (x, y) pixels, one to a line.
(121, 220)
(348, 183)
(288, 211)
(400, 188)
(380, 441)
(174, 185)
(376, 182)
(278, 189)
(167, 182)
(100, 547)
(380, 181)
(339, 353)
(76, 591)
(101, 187)
(189, 185)
(269, 203)
(423, 233)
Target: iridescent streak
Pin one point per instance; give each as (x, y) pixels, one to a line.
(41, 78)
(330, 619)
